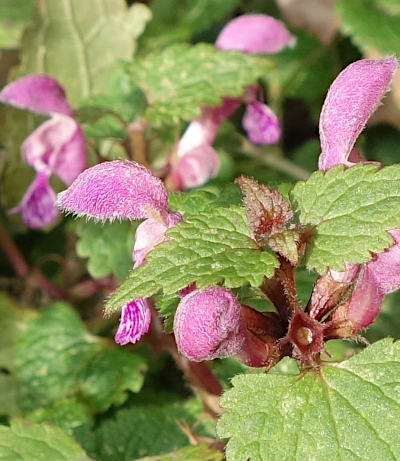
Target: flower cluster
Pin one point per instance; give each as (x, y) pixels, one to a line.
(56, 147)
(196, 160)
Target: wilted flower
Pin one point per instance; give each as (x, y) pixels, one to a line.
(196, 160)
(57, 146)
(351, 100)
(124, 190)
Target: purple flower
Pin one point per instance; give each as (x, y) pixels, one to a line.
(124, 190)
(37, 205)
(134, 323)
(208, 324)
(57, 146)
(261, 124)
(351, 100)
(196, 161)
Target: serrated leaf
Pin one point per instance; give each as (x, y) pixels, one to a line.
(108, 247)
(98, 33)
(193, 76)
(166, 306)
(193, 453)
(347, 411)
(370, 26)
(25, 441)
(148, 430)
(350, 212)
(57, 357)
(266, 210)
(286, 244)
(211, 247)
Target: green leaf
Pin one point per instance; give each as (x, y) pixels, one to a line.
(24, 441)
(193, 76)
(166, 306)
(347, 411)
(68, 414)
(109, 374)
(193, 453)
(57, 357)
(8, 395)
(147, 430)
(370, 25)
(13, 323)
(108, 247)
(98, 33)
(211, 247)
(350, 212)
(14, 15)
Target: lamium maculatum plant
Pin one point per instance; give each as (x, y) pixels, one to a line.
(204, 238)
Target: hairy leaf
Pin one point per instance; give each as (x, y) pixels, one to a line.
(285, 243)
(346, 411)
(370, 26)
(25, 441)
(350, 212)
(266, 210)
(211, 247)
(166, 306)
(108, 247)
(99, 33)
(193, 76)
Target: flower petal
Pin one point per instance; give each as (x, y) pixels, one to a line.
(134, 323)
(57, 146)
(350, 101)
(38, 204)
(38, 93)
(261, 124)
(195, 167)
(150, 233)
(208, 324)
(254, 33)
(114, 190)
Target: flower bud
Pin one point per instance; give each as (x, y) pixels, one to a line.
(208, 324)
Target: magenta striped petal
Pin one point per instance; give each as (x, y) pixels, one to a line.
(114, 190)
(350, 101)
(38, 93)
(254, 33)
(134, 323)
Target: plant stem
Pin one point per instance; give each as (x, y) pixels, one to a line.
(272, 158)
(34, 278)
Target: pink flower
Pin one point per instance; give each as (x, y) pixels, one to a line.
(208, 324)
(124, 190)
(351, 100)
(57, 146)
(134, 323)
(197, 161)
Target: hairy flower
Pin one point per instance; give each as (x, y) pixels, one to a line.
(208, 324)
(196, 161)
(124, 190)
(57, 146)
(351, 100)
